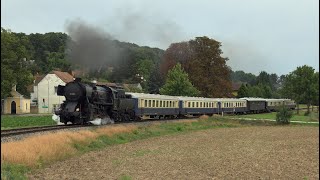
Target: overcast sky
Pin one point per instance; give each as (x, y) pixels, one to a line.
(256, 35)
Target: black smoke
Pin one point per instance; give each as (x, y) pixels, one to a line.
(90, 47)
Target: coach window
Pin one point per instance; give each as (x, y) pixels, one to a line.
(189, 104)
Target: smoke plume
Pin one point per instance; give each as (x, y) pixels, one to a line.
(90, 46)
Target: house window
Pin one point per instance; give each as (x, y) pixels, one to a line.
(55, 89)
(26, 106)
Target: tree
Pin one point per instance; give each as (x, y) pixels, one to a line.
(243, 91)
(283, 115)
(302, 85)
(14, 70)
(155, 81)
(201, 59)
(178, 84)
(241, 76)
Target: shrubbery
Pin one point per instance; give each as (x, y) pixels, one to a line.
(284, 115)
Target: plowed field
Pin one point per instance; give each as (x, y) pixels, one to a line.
(225, 153)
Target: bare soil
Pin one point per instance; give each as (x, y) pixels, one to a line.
(226, 153)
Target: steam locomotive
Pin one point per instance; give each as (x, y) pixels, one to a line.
(86, 102)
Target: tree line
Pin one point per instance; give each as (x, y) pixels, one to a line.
(189, 68)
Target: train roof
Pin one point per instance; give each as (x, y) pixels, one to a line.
(253, 99)
(186, 98)
(151, 96)
(264, 99)
(230, 99)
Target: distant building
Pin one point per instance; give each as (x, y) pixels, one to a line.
(44, 96)
(235, 88)
(17, 104)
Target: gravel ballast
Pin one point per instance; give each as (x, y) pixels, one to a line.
(275, 152)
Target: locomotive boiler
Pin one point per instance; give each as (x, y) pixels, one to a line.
(88, 101)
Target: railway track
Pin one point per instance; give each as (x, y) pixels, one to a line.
(13, 132)
(21, 131)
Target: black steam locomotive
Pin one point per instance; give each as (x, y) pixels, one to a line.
(88, 101)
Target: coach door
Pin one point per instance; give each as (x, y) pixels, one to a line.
(13, 107)
(219, 108)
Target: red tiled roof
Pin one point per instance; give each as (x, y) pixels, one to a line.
(236, 86)
(38, 78)
(64, 76)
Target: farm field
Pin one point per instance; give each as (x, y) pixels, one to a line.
(267, 152)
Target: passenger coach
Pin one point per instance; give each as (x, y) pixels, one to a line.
(195, 106)
(229, 105)
(155, 106)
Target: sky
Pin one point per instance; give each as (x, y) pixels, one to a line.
(275, 36)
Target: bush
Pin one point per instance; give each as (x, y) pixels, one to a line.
(284, 115)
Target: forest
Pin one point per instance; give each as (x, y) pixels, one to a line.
(190, 68)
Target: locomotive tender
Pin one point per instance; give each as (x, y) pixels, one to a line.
(88, 101)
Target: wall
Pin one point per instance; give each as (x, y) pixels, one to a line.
(47, 97)
(22, 105)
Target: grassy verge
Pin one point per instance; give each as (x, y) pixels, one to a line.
(9, 121)
(313, 116)
(18, 158)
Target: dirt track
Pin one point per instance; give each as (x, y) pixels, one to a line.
(230, 153)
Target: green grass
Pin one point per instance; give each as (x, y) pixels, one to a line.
(143, 132)
(305, 106)
(125, 177)
(12, 121)
(313, 116)
(13, 171)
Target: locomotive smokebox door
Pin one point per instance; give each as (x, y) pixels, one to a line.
(60, 90)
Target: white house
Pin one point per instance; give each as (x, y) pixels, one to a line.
(44, 94)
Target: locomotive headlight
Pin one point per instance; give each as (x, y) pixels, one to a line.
(77, 109)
